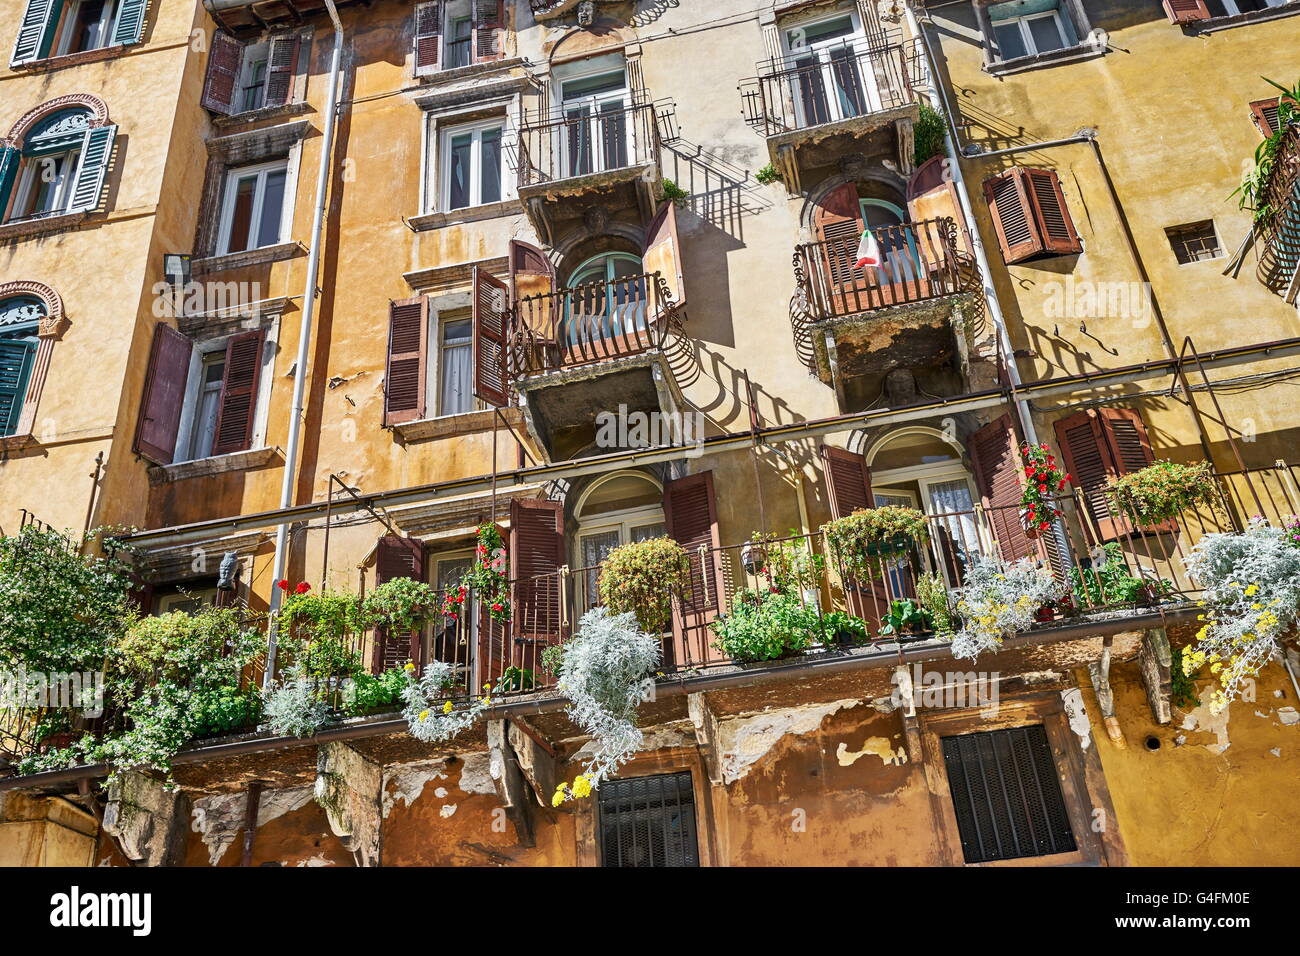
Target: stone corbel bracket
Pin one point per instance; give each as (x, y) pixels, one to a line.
(349, 788)
(1154, 662)
(147, 820)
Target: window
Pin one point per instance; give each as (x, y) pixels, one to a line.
(188, 598)
(253, 208)
(1006, 794)
(62, 27)
(1194, 242)
(618, 509)
(1231, 8)
(1100, 443)
(458, 43)
(86, 26)
(58, 168)
(648, 821)
(253, 75)
(829, 79)
(19, 320)
(457, 33)
(455, 379)
(471, 165)
(608, 297)
(45, 186)
(252, 79)
(207, 404)
(1030, 215)
(594, 104)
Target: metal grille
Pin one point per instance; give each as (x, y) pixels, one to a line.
(648, 821)
(1006, 794)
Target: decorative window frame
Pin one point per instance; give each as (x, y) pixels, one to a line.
(1087, 47)
(50, 330)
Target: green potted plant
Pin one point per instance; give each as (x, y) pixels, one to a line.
(905, 616)
(843, 629)
(766, 625)
(644, 578)
(871, 533)
(1162, 490)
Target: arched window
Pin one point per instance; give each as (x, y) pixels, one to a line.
(617, 509)
(55, 166)
(607, 297)
(20, 319)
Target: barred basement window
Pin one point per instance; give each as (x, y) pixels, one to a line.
(1194, 241)
(648, 821)
(1006, 794)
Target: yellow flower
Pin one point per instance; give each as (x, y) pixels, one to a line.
(409, 666)
(424, 715)
(446, 708)
(1251, 590)
(558, 798)
(581, 786)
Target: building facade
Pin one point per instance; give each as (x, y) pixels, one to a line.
(357, 279)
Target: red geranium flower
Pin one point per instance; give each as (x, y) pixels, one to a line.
(302, 588)
(283, 584)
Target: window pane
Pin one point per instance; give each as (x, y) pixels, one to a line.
(241, 217)
(272, 208)
(458, 44)
(1046, 33)
(460, 153)
(595, 547)
(455, 398)
(490, 161)
(1010, 43)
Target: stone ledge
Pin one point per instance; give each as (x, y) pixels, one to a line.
(1036, 61)
(247, 258)
(24, 228)
(492, 210)
(216, 465)
(236, 122)
(446, 426)
(1215, 24)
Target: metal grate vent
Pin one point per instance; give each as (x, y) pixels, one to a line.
(648, 821)
(1006, 794)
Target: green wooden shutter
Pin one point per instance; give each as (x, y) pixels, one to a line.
(96, 150)
(36, 31)
(10, 157)
(130, 23)
(16, 358)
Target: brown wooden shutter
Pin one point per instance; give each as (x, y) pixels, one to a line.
(848, 481)
(1186, 11)
(281, 69)
(1013, 219)
(238, 393)
(999, 475)
(1056, 228)
(691, 519)
(838, 221)
(488, 26)
(663, 251)
(428, 37)
(536, 556)
(408, 337)
(491, 335)
(164, 395)
(224, 59)
(531, 272)
(397, 557)
(1097, 444)
(1264, 113)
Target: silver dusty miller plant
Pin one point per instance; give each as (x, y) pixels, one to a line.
(430, 714)
(999, 599)
(293, 707)
(606, 671)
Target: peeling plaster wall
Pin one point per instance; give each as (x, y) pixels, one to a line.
(291, 831)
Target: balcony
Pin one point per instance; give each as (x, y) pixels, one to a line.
(1278, 228)
(597, 347)
(815, 109)
(573, 160)
(877, 314)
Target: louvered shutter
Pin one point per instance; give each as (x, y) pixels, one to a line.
(408, 335)
(235, 416)
(536, 556)
(96, 151)
(130, 22)
(491, 334)
(848, 481)
(36, 30)
(224, 59)
(10, 159)
(1264, 113)
(691, 519)
(281, 69)
(838, 221)
(1096, 444)
(397, 557)
(164, 395)
(488, 25)
(1013, 218)
(999, 476)
(663, 251)
(428, 37)
(15, 368)
(1186, 11)
(1056, 227)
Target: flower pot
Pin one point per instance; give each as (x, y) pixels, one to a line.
(888, 547)
(753, 557)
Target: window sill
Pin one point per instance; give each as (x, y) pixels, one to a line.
(492, 210)
(249, 257)
(1038, 61)
(251, 117)
(1215, 24)
(447, 426)
(50, 63)
(24, 228)
(216, 465)
(10, 443)
(441, 77)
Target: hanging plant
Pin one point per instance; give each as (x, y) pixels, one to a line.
(858, 539)
(606, 672)
(487, 578)
(1253, 191)
(401, 605)
(1163, 490)
(1000, 599)
(321, 614)
(1044, 481)
(1252, 596)
(431, 715)
(643, 578)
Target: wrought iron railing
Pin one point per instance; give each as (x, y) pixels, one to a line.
(1279, 226)
(815, 88)
(584, 140)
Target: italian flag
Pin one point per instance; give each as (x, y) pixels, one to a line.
(868, 250)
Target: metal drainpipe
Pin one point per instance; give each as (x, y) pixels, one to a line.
(304, 334)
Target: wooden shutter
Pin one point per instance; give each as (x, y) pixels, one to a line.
(1264, 113)
(1030, 214)
(408, 349)
(999, 476)
(838, 221)
(1056, 228)
(663, 251)
(397, 557)
(224, 59)
(10, 158)
(281, 69)
(1097, 444)
(536, 556)
(428, 37)
(234, 430)
(36, 31)
(15, 369)
(848, 481)
(96, 151)
(491, 335)
(164, 395)
(691, 519)
(488, 21)
(130, 22)
(531, 272)
(1186, 11)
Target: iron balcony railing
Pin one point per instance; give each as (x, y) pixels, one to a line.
(1279, 224)
(585, 139)
(815, 88)
(593, 322)
(919, 261)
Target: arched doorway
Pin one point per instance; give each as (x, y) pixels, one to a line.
(615, 509)
(606, 301)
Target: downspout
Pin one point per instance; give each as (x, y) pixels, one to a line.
(304, 334)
